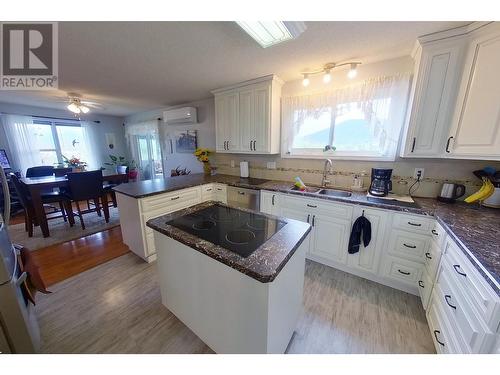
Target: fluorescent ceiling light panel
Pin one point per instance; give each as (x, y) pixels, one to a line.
(268, 33)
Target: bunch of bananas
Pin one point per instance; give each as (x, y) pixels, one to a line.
(484, 193)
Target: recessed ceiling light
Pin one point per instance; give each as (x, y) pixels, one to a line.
(268, 33)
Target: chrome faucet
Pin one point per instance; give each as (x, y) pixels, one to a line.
(328, 164)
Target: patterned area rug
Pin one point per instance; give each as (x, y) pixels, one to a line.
(60, 231)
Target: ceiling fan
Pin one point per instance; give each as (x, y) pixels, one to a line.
(77, 105)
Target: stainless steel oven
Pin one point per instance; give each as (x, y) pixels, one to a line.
(245, 198)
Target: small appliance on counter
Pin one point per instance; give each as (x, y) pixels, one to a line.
(494, 200)
(381, 183)
(451, 192)
(357, 182)
(244, 169)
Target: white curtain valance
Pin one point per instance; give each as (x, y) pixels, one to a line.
(142, 128)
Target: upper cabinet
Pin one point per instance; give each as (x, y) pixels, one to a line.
(475, 131)
(454, 108)
(435, 83)
(247, 117)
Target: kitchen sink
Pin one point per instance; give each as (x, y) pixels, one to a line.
(312, 190)
(327, 192)
(335, 193)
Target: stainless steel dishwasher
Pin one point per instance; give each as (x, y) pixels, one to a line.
(245, 198)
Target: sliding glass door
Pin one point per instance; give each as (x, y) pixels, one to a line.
(149, 156)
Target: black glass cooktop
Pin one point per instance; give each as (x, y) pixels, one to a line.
(235, 230)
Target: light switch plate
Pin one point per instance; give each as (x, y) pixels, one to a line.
(232, 163)
(271, 165)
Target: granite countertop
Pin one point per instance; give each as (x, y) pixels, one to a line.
(474, 228)
(264, 264)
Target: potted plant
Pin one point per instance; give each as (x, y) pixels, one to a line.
(119, 162)
(202, 154)
(132, 170)
(75, 164)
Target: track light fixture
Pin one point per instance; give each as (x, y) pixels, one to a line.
(326, 70)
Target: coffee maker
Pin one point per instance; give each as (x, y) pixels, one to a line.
(381, 183)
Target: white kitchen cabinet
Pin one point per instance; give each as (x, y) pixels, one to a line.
(220, 193)
(436, 80)
(269, 203)
(367, 258)
(476, 125)
(330, 237)
(135, 212)
(227, 130)
(250, 112)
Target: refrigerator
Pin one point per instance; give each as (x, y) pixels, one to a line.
(19, 331)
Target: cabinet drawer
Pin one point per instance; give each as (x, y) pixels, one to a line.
(402, 270)
(441, 332)
(337, 210)
(408, 245)
(472, 331)
(412, 223)
(208, 192)
(425, 289)
(438, 234)
(475, 288)
(170, 202)
(432, 258)
(221, 193)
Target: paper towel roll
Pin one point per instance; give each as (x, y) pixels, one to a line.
(244, 169)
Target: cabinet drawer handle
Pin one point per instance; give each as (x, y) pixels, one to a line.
(174, 198)
(314, 217)
(435, 336)
(308, 217)
(421, 284)
(448, 302)
(413, 145)
(414, 224)
(209, 189)
(428, 255)
(272, 200)
(220, 189)
(311, 205)
(409, 246)
(448, 144)
(457, 268)
(404, 273)
(241, 192)
(434, 232)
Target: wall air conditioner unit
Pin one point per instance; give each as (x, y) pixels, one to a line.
(184, 115)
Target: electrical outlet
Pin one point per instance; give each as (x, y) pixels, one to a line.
(232, 163)
(271, 165)
(418, 174)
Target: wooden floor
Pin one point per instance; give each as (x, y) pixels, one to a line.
(116, 308)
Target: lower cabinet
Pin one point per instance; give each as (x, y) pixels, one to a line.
(269, 203)
(330, 237)
(367, 258)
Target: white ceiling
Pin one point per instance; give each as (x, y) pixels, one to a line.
(135, 66)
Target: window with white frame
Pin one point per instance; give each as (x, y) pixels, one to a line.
(362, 121)
(57, 139)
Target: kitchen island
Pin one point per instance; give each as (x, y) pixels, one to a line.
(233, 276)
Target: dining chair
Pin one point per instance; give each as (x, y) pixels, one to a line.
(40, 171)
(30, 219)
(86, 186)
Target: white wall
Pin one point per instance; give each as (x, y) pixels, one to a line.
(205, 131)
(108, 124)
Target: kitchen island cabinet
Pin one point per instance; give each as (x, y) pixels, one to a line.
(235, 304)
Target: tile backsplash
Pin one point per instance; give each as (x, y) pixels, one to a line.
(436, 171)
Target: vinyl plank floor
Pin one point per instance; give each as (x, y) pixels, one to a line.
(116, 308)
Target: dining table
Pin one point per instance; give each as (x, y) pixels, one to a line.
(36, 185)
